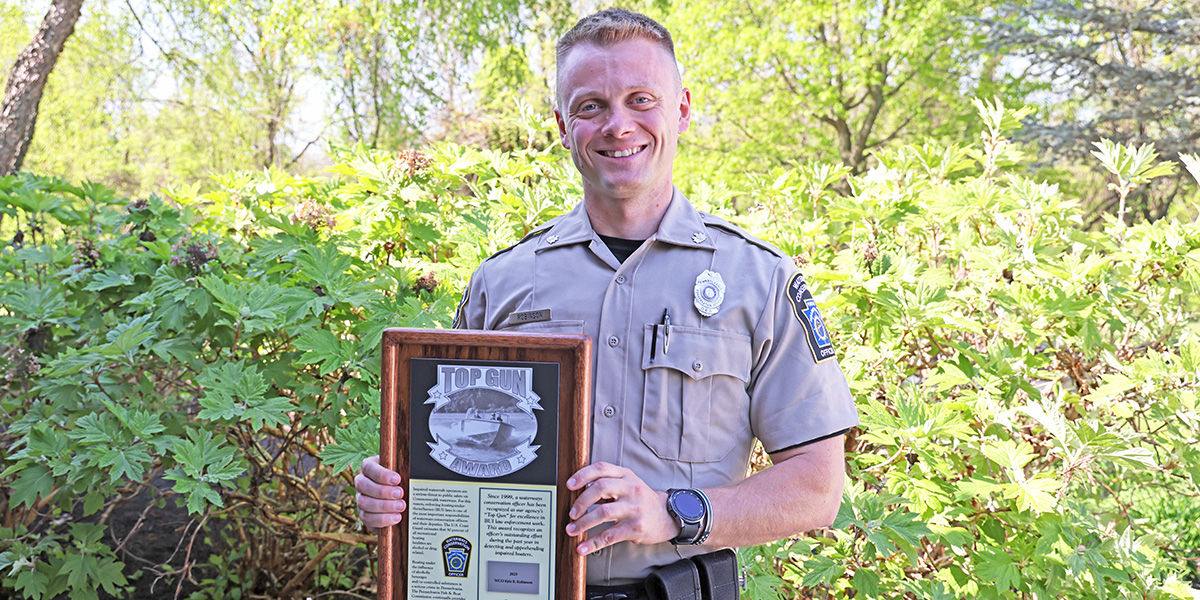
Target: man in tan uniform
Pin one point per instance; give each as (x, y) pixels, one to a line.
(705, 338)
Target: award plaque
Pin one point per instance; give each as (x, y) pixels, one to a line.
(484, 428)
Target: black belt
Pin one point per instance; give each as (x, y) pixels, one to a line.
(710, 576)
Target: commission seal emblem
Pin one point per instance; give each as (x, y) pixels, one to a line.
(482, 420)
(456, 556)
(709, 292)
(805, 309)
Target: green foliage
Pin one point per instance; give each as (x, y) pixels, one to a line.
(1132, 166)
(1027, 388)
(228, 343)
(1192, 163)
(776, 82)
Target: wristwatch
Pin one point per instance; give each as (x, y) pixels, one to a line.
(690, 509)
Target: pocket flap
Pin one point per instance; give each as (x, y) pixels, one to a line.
(564, 326)
(699, 353)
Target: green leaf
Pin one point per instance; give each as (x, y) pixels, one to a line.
(144, 423)
(1191, 162)
(265, 411)
(79, 568)
(236, 391)
(322, 347)
(1010, 455)
(94, 428)
(906, 526)
(1135, 456)
(866, 582)
(111, 575)
(87, 533)
(1114, 386)
(92, 502)
(996, 567)
(128, 462)
(32, 583)
(44, 440)
(203, 461)
(821, 570)
(35, 481)
(103, 280)
(353, 444)
(128, 337)
(1036, 494)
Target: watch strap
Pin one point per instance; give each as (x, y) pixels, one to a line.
(707, 521)
(690, 533)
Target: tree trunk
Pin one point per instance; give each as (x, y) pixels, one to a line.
(18, 113)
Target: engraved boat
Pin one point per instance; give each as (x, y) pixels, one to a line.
(486, 432)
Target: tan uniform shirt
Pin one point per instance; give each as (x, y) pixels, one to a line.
(683, 414)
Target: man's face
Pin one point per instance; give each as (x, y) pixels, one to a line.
(620, 113)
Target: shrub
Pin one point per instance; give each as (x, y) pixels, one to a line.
(227, 342)
(1027, 388)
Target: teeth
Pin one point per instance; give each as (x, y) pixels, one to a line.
(624, 153)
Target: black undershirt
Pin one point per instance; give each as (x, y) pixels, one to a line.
(621, 247)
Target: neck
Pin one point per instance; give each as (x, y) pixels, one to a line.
(632, 218)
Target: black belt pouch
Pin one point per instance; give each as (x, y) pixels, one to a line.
(718, 574)
(679, 580)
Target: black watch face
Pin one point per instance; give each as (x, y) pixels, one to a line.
(688, 506)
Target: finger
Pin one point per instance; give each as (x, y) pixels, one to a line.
(375, 505)
(613, 535)
(603, 489)
(601, 513)
(379, 520)
(372, 469)
(367, 487)
(595, 471)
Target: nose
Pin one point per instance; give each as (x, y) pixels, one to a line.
(619, 123)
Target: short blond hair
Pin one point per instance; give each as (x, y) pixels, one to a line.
(611, 26)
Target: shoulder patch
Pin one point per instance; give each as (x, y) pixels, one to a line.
(805, 309)
(722, 224)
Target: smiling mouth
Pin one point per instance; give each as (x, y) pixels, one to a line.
(621, 153)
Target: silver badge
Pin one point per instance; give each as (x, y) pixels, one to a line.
(552, 238)
(698, 237)
(709, 292)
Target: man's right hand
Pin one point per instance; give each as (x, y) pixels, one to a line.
(380, 497)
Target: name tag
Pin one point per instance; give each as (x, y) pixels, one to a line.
(529, 316)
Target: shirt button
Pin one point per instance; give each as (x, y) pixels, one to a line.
(609, 411)
(696, 366)
(620, 279)
(613, 341)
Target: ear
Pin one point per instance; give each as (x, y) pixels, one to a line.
(685, 109)
(562, 129)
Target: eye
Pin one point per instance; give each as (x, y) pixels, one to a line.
(589, 107)
(642, 99)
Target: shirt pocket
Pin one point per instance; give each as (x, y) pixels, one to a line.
(563, 326)
(694, 407)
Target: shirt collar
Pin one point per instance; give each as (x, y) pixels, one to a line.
(681, 226)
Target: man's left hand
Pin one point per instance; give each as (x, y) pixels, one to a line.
(616, 495)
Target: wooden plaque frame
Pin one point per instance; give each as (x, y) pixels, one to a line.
(572, 353)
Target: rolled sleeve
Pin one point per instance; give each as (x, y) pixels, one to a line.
(794, 398)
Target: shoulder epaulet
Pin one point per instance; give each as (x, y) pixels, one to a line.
(722, 224)
(537, 231)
